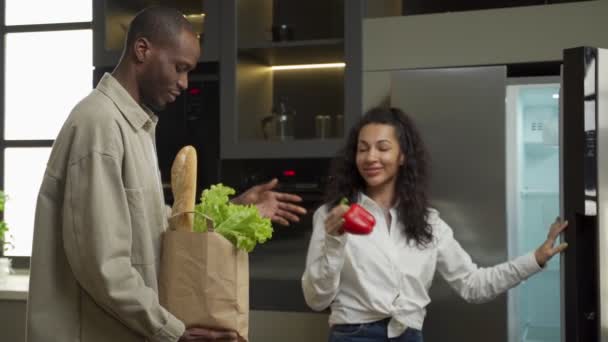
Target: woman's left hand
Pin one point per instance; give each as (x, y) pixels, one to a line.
(546, 251)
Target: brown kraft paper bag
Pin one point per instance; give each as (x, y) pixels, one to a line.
(204, 281)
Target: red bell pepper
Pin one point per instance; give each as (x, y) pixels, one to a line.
(357, 220)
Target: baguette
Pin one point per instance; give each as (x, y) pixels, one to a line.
(183, 185)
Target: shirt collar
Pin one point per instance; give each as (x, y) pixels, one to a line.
(366, 201)
(137, 116)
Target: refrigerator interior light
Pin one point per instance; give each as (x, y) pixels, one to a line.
(556, 96)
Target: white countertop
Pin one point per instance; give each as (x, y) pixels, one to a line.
(15, 287)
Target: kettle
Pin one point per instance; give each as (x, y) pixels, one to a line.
(280, 124)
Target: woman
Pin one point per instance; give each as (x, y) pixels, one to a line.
(377, 285)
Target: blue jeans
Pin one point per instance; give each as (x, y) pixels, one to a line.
(370, 332)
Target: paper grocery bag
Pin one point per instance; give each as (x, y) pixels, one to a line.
(204, 281)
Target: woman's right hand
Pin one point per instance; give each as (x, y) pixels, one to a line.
(334, 220)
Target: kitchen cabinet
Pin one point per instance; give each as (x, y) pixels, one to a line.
(111, 20)
(12, 326)
(270, 110)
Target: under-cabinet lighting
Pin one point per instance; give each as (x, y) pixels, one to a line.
(197, 20)
(195, 16)
(308, 66)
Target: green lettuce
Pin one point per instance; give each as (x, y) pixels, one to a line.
(240, 224)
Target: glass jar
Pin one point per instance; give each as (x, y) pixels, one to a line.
(322, 126)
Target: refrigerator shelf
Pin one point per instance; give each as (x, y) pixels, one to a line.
(540, 149)
(538, 193)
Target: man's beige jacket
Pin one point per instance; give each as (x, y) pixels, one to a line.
(99, 219)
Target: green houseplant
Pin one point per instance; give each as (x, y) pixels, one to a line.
(4, 243)
(5, 263)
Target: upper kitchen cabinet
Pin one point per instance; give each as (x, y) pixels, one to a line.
(111, 19)
(390, 8)
(290, 76)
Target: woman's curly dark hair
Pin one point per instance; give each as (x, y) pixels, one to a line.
(412, 178)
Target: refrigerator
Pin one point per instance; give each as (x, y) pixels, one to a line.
(585, 195)
(509, 155)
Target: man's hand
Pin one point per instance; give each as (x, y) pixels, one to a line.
(208, 335)
(277, 206)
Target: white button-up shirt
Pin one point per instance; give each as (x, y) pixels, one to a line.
(365, 278)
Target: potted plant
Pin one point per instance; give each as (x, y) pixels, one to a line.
(5, 263)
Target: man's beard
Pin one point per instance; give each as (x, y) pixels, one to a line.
(155, 107)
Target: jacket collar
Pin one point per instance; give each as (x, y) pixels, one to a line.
(138, 116)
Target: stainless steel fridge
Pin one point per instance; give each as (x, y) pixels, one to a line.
(460, 113)
(507, 157)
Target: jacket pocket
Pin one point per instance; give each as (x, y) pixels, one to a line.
(142, 245)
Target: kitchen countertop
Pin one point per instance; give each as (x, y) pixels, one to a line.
(15, 287)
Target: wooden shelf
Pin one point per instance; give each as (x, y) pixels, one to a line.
(250, 88)
(296, 52)
(292, 43)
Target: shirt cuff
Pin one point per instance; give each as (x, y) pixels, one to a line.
(335, 250)
(171, 331)
(528, 265)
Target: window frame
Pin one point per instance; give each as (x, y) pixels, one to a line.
(21, 262)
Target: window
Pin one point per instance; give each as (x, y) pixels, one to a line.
(23, 170)
(61, 61)
(46, 67)
(32, 12)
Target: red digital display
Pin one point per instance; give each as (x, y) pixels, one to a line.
(289, 173)
(194, 91)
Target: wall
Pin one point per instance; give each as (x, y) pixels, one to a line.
(512, 35)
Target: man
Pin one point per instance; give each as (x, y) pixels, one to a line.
(100, 212)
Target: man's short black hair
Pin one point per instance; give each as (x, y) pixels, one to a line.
(160, 25)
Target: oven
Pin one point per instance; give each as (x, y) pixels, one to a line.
(276, 266)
